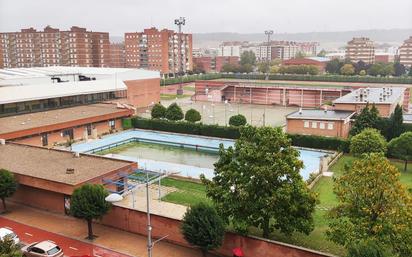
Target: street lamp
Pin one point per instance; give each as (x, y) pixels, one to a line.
(180, 22)
(268, 33)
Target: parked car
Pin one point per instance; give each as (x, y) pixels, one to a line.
(42, 249)
(7, 232)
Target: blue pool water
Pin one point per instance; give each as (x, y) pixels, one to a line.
(169, 159)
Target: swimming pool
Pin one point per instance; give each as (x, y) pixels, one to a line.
(183, 160)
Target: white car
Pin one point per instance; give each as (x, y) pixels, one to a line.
(7, 232)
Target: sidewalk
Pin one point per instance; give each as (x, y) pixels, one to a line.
(118, 240)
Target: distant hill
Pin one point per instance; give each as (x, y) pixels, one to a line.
(393, 36)
(327, 40)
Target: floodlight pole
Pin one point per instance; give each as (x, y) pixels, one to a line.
(268, 33)
(149, 225)
(179, 22)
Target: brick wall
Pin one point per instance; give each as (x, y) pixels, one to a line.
(141, 93)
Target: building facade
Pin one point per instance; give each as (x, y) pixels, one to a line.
(405, 52)
(360, 49)
(159, 50)
(117, 55)
(52, 47)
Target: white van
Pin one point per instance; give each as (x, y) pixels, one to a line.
(7, 232)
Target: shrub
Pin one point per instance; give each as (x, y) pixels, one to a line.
(237, 120)
(158, 111)
(127, 123)
(203, 227)
(174, 112)
(368, 141)
(367, 248)
(192, 115)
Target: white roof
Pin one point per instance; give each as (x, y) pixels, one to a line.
(26, 84)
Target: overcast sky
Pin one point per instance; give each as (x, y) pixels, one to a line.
(243, 16)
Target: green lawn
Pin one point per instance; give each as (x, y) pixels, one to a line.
(171, 96)
(189, 88)
(192, 192)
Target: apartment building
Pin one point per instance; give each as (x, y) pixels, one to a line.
(159, 50)
(117, 55)
(232, 48)
(52, 47)
(405, 52)
(361, 49)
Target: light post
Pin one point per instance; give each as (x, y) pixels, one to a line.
(226, 102)
(115, 197)
(179, 22)
(268, 33)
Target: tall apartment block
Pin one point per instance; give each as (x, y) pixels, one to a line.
(360, 49)
(405, 52)
(51, 47)
(159, 50)
(117, 55)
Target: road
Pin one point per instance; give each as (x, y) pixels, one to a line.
(71, 247)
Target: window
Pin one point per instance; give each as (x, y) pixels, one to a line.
(112, 124)
(330, 126)
(306, 124)
(322, 125)
(314, 124)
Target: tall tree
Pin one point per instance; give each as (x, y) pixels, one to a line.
(373, 204)
(248, 57)
(333, 66)
(257, 183)
(8, 186)
(399, 69)
(88, 203)
(8, 248)
(368, 141)
(203, 227)
(360, 66)
(401, 147)
(368, 118)
(347, 69)
(396, 126)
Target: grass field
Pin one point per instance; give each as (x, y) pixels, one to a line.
(192, 192)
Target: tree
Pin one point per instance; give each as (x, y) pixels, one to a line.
(367, 248)
(362, 73)
(373, 205)
(174, 112)
(322, 53)
(300, 54)
(361, 66)
(158, 111)
(368, 118)
(228, 67)
(245, 68)
(88, 203)
(198, 68)
(401, 148)
(8, 248)
(257, 183)
(368, 141)
(248, 57)
(410, 72)
(399, 69)
(192, 115)
(8, 186)
(237, 120)
(381, 69)
(203, 227)
(396, 126)
(333, 66)
(263, 67)
(347, 69)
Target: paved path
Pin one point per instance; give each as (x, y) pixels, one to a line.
(74, 232)
(71, 247)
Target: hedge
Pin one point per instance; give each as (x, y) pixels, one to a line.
(317, 142)
(190, 78)
(186, 127)
(127, 123)
(330, 78)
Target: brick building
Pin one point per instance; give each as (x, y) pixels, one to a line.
(319, 62)
(361, 49)
(206, 63)
(52, 47)
(48, 177)
(159, 50)
(405, 52)
(117, 55)
(329, 123)
(31, 90)
(220, 61)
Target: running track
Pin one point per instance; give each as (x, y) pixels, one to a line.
(71, 247)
